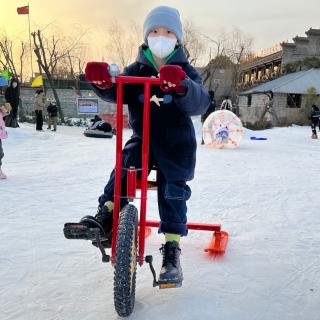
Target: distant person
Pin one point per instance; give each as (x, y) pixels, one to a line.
(226, 104)
(95, 119)
(315, 120)
(4, 111)
(99, 124)
(38, 108)
(52, 110)
(211, 108)
(12, 96)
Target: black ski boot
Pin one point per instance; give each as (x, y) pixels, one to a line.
(171, 272)
(89, 226)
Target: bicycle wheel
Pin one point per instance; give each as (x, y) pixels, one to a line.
(126, 261)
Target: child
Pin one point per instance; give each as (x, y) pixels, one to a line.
(38, 107)
(4, 111)
(172, 135)
(52, 115)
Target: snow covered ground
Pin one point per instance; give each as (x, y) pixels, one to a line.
(265, 194)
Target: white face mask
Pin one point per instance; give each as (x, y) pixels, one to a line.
(161, 46)
(14, 84)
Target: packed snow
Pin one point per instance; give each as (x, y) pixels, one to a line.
(264, 193)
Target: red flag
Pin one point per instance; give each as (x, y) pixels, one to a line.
(23, 10)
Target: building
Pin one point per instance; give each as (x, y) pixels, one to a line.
(289, 96)
(219, 77)
(274, 62)
(221, 83)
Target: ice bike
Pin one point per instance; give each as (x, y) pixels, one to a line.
(129, 228)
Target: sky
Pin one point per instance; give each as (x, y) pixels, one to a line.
(269, 25)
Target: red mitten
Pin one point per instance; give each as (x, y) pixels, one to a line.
(98, 74)
(172, 74)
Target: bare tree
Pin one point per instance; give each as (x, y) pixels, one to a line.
(52, 56)
(122, 45)
(76, 63)
(13, 57)
(193, 45)
(71, 66)
(6, 47)
(216, 59)
(47, 60)
(228, 50)
(239, 45)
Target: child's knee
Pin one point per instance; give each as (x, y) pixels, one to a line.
(177, 190)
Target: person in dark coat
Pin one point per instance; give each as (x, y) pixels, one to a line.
(38, 107)
(212, 108)
(172, 136)
(52, 110)
(315, 120)
(12, 96)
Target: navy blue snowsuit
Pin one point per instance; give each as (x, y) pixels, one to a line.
(172, 138)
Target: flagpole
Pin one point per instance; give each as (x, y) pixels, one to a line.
(30, 41)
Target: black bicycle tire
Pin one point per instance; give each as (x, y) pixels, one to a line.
(126, 261)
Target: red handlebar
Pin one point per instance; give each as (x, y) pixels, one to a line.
(137, 80)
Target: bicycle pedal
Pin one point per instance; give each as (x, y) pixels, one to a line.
(79, 231)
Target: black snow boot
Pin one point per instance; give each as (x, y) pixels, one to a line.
(103, 219)
(171, 272)
(85, 229)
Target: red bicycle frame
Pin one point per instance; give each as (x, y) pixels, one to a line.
(219, 239)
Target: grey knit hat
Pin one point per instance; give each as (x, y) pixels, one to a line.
(163, 17)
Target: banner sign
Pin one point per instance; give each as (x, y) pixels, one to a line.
(88, 106)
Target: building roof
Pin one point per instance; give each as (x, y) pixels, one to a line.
(298, 82)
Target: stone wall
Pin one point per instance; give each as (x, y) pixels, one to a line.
(68, 100)
(250, 115)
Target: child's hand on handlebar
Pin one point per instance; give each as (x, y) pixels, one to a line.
(171, 77)
(98, 74)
